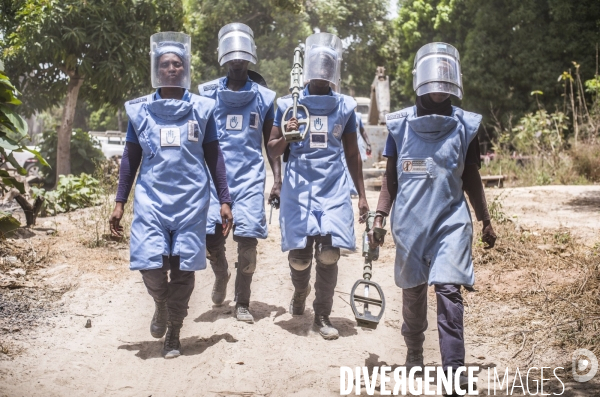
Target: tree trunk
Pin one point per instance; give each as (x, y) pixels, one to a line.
(63, 151)
(31, 211)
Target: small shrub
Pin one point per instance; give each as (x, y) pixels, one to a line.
(85, 154)
(72, 192)
(586, 160)
(496, 212)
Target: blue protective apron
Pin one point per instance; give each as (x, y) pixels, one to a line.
(172, 188)
(240, 116)
(431, 223)
(315, 196)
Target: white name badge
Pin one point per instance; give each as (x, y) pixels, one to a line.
(193, 131)
(319, 124)
(416, 166)
(170, 137)
(234, 122)
(318, 140)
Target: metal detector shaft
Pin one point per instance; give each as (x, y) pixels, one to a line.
(296, 86)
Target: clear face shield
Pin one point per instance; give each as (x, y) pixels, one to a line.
(170, 59)
(437, 69)
(236, 41)
(323, 59)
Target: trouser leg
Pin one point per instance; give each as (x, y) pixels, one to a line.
(300, 262)
(181, 287)
(450, 311)
(157, 281)
(414, 314)
(246, 265)
(215, 251)
(176, 291)
(327, 258)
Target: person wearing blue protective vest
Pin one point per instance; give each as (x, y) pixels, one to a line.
(433, 158)
(244, 117)
(172, 133)
(316, 209)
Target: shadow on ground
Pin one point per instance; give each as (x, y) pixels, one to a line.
(588, 201)
(302, 325)
(259, 310)
(191, 346)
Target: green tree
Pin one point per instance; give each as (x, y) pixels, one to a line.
(508, 48)
(279, 25)
(58, 49)
(365, 31)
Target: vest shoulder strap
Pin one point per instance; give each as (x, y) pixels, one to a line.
(136, 110)
(470, 120)
(209, 89)
(267, 95)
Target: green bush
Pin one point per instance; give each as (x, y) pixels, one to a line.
(71, 193)
(85, 154)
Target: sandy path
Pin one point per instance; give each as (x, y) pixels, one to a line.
(576, 208)
(277, 356)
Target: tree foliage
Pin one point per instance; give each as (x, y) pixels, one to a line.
(508, 48)
(86, 154)
(105, 42)
(55, 48)
(13, 130)
(279, 25)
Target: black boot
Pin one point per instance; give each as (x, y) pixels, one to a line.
(325, 328)
(172, 346)
(414, 358)
(219, 291)
(158, 326)
(298, 302)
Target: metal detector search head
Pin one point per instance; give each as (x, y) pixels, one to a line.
(366, 319)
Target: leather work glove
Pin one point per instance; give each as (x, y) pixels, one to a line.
(488, 236)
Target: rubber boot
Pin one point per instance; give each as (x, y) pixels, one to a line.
(158, 325)
(172, 346)
(325, 327)
(298, 302)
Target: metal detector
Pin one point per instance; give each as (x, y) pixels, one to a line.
(367, 319)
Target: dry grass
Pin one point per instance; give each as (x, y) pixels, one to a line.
(539, 293)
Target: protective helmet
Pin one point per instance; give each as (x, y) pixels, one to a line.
(323, 58)
(174, 72)
(236, 41)
(437, 69)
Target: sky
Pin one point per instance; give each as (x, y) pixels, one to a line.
(393, 9)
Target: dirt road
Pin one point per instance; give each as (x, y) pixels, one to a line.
(277, 356)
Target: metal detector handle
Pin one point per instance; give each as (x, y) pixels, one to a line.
(295, 135)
